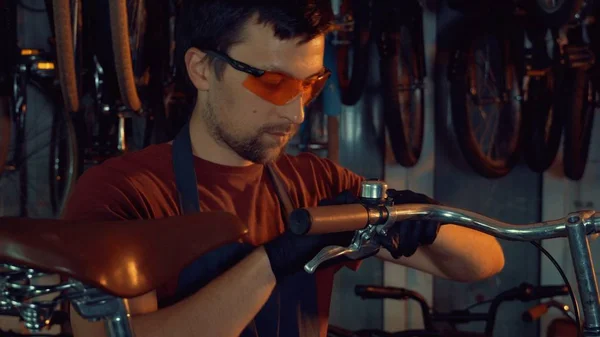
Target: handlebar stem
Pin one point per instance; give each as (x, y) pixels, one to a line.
(584, 272)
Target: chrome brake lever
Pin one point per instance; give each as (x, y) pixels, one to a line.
(362, 245)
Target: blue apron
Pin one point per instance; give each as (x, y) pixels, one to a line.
(291, 310)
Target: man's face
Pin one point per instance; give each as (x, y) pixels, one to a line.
(255, 129)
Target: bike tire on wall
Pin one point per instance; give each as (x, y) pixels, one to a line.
(65, 54)
(403, 99)
(463, 83)
(119, 27)
(552, 17)
(579, 99)
(64, 160)
(352, 85)
(5, 130)
(543, 122)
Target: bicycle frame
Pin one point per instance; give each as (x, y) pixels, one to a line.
(380, 214)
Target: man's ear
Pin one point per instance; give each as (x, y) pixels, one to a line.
(197, 66)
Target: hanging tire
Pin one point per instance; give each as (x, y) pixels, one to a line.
(580, 99)
(555, 14)
(5, 130)
(543, 124)
(468, 92)
(403, 99)
(352, 70)
(64, 160)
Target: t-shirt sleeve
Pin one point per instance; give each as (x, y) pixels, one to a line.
(103, 193)
(329, 177)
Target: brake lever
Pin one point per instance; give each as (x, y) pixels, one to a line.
(362, 245)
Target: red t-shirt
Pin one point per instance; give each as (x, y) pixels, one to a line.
(141, 185)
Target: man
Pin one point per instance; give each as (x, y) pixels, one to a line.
(254, 65)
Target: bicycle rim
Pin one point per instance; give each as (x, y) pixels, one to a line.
(403, 99)
(488, 90)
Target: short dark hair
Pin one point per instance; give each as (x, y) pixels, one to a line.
(217, 24)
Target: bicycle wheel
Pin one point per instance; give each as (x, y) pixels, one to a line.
(64, 161)
(63, 15)
(542, 123)
(8, 40)
(5, 130)
(402, 74)
(120, 33)
(580, 99)
(484, 86)
(351, 39)
(552, 13)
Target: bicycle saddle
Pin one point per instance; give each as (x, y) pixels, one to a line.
(123, 258)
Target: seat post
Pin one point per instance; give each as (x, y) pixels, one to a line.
(95, 305)
(119, 324)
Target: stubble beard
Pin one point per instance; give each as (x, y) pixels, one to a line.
(250, 148)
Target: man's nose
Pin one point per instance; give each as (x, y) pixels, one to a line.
(293, 111)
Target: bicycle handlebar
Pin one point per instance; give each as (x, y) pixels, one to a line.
(377, 214)
(323, 219)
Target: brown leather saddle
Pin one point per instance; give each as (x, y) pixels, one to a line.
(123, 258)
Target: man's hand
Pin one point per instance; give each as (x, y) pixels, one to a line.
(290, 252)
(404, 237)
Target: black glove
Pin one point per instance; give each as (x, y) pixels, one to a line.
(405, 236)
(289, 252)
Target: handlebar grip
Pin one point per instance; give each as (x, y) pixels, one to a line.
(535, 312)
(328, 219)
(383, 292)
(540, 292)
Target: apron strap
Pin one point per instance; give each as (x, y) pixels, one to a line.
(282, 193)
(185, 173)
(185, 177)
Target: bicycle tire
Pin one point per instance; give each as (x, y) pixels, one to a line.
(552, 18)
(5, 130)
(579, 99)
(65, 54)
(402, 79)
(352, 85)
(8, 36)
(543, 124)
(462, 82)
(63, 173)
(119, 28)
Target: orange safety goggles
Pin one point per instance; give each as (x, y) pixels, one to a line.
(275, 87)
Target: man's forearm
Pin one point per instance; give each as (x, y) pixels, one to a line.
(458, 253)
(222, 308)
(465, 254)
